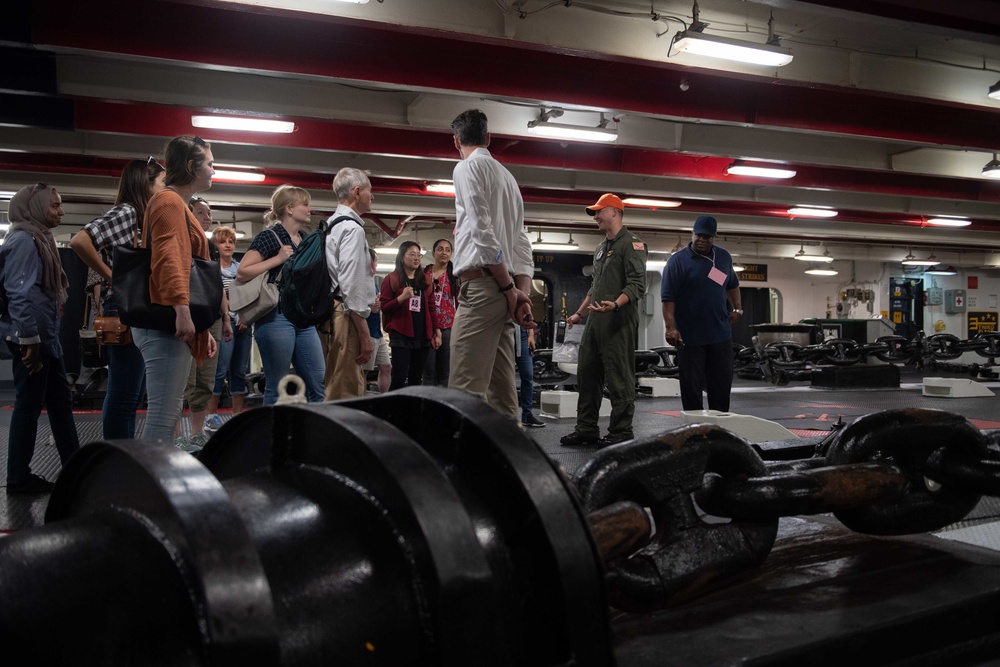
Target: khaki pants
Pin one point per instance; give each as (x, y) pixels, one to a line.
(482, 345)
(344, 377)
(201, 379)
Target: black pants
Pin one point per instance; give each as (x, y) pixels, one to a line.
(407, 366)
(706, 368)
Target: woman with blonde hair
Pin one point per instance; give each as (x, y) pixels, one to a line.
(95, 244)
(174, 237)
(280, 342)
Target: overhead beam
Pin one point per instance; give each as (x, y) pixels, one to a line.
(437, 60)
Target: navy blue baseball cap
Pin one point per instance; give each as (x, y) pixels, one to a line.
(706, 226)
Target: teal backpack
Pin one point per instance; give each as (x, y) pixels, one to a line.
(305, 289)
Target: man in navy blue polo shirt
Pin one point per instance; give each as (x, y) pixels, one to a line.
(698, 286)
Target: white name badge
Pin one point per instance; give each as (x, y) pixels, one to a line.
(437, 299)
(415, 304)
(717, 276)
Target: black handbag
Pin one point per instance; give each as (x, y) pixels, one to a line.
(130, 283)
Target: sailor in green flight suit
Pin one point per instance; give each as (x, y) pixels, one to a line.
(607, 350)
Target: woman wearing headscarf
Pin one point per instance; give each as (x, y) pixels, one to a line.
(95, 244)
(174, 236)
(34, 286)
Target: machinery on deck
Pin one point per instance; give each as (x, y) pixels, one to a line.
(423, 528)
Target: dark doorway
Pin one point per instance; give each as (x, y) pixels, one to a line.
(756, 310)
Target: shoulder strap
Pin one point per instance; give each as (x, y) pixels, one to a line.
(336, 221)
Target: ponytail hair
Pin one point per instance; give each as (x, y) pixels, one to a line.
(179, 152)
(285, 196)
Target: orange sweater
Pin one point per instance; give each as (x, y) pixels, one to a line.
(174, 236)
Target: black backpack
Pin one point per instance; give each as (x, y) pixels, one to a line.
(305, 289)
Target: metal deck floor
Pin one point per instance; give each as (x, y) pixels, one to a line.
(804, 409)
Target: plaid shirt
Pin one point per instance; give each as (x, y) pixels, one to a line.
(112, 229)
(268, 244)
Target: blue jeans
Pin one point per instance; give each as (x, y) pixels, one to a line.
(168, 362)
(50, 387)
(282, 344)
(527, 374)
(126, 379)
(234, 361)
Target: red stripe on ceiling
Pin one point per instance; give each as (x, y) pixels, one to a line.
(157, 120)
(248, 38)
(316, 181)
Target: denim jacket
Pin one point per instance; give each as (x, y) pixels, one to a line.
(30, 316)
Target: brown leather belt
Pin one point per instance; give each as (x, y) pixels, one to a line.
(473, 274)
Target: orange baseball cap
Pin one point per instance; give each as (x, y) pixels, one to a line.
(606, 200)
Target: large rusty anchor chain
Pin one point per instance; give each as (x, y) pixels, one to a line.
(716, 504)
(687, 554)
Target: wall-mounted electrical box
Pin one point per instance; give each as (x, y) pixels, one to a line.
(954, 301)
(935, 296)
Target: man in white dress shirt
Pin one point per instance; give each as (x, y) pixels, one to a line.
(349, 346)
(493, 260)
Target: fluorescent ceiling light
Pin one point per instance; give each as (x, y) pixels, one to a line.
(226, 165)
(812, 212)
(544, 127)
(651, 203)
(995, 91)
(821, 272)
(389, 251)
(949, 221)
(945, 271)
(803, 256)
(441, 188)
(910, 260)
(725, 48)
(739, 267)
(539, 244)
(740, 168)
(238, 176)
(7, 194)
(385, 267)
(563, 131)
(243, 124)
(992, 168)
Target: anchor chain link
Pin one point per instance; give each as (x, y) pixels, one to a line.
(716, 503)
